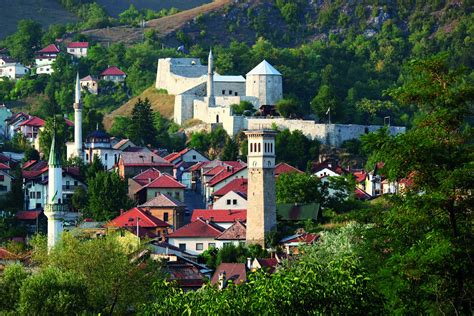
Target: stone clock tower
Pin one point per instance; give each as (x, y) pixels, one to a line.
(261, 198)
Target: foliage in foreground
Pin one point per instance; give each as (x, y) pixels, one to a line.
(329, 278)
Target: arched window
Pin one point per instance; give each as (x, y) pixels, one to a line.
(217, 118)
(259, 148)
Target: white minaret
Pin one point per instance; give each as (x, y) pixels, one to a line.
(210, 80)
(54, 210)
(261, 199)
(78, 120)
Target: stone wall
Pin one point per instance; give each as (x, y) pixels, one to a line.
(226, 88)
(267, 88)
(177, 75)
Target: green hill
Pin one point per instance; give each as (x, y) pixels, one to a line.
(45, 11)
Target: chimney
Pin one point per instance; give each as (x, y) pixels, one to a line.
(249, 263)
(121, 211)
(149, 180)
(222, 280)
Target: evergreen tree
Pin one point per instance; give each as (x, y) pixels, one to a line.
(230, 151)
(143, 131)
(58, 125)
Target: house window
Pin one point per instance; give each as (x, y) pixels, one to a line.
(217, 118)
(75, 183)
(211, 245)
(234, 202)
(176, 195)
(165, 216)
(67, 185)
(106, 156)
(38, 195)
(227, 243)
(194, 157)
(199, 246)
(228, 202)
(182, 247)
(2, 177)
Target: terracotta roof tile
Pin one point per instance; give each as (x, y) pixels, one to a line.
(51, 48)
(163, 200)
(224, 174)
(78, 45)
(238, 185)
(33, 121)
(129, 219)
(147, 176)
(283, 167)
(4, 166)
(237, 231)
(220, 216)
(28, 215)
(164, 181)
(112, 71)
(198, 228)
(233, 271)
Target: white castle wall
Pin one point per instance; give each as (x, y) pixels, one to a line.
(228, 88)
(178, 75)
(330, 134)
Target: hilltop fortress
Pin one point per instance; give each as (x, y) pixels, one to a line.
(207, 96)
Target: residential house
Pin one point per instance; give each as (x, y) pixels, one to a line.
(232, 201)
(5, 179)
(196, 237)
(33, 221)
(132, 163)
(283, 167)
(187, 274)
(164, 184)
(267, 264)
(45, 58)
(113, 74)
(292, 243)
(235, 235)
(7, 258)
(223, 218)
(5, 113)
(12, 124)
(78, 49)
(167, 209)
(90, 84)
(377, 184)
(13, 70)
(140, 222)
(225, 272)
(36, 185)
(238, 186)
(186, 155)
(141, 179)
(97, 144)
(31, 128)
(220, 176)
(122, 144)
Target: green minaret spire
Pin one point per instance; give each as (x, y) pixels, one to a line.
(54, 153)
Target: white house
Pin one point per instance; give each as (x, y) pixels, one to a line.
(231, 201)
(90, 84)
(13, 70)
(195, 237)
(78, 49)
(36, 187)
(235, 235)
(225, 218)
(45, 58)
(113, 74)
(5, 180)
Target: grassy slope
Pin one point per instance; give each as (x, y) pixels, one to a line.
(164, 25)
(115, 7)
(44, 11)
(162, 103)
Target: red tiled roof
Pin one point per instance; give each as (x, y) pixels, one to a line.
(306, 238)
(197, 228)
(69, 123)
(224, 174)
(198, 165)
(4, 166)
(268, 263)
(174, 156)
(33, 121)
(78, 45)
(29, 174)
(237, 231)
(220, 216)
(283, 167)
(213, 171)
(142, 158)
(129, 219)
(235, 164)
(7, 255)
(164, 181)
(163, 200)
(147, 175)
(28, 215)
(360, 175)
(361, 194)
(238, 185)
(51, 48)
(29, 163)
(112, 71)
(233, 271)
(88, 78)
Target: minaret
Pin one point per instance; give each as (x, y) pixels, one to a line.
(261, 205)
(210, 80)
(78, 120)
(54, 209)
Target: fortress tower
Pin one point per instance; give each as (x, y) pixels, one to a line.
(55, 209)
(261, 205)
(78, 120)
(265, 83)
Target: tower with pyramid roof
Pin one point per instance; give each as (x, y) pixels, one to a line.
(54, 209)
(265, 83)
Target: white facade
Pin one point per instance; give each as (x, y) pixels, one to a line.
(242, 173)
(230, 201)
(326, 172)
(77, 51)
(45, 69)
(193, 245)
(13, 71)
(265, 83)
